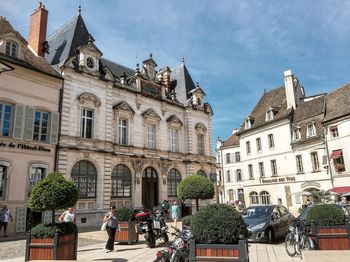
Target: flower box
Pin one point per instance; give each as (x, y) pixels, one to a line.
(219, 252)
(60, 247)
(331, 237)
(127, 233)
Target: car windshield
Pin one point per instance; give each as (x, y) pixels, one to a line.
(257, 212)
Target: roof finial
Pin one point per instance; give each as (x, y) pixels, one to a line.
(197, 84)
(183, 60)
(150, 55)
(79, 10)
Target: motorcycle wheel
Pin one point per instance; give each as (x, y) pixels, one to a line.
(150, 239)
(165, 237)
(161, 259)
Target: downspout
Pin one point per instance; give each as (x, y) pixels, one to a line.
(222, 173)
(328, 159)
(59, 126)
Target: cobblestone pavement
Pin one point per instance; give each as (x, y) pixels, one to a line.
(91, 248)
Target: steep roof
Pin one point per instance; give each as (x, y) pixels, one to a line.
(30, 60)
(233, 140)
(338, 103)
(182, 82)
(275, 98)
(64, 41)
(116, 68)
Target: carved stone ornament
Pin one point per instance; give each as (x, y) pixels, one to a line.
(151, 114)
(124, 106)
(86, 97)
(164, 166)
(137, 164)
(173, 120)
(200, 128)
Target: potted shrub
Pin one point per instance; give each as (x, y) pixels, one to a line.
(219, 235)
(55, 241)
(127, 232)
(328, 225)
(186, 222)
(196, 187)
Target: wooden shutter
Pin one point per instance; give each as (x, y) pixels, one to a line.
(55, 117)
(18, 121)
(21, 219)
(28, 132)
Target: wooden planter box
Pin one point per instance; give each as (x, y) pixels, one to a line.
(219, 252)
(56, 248)
(127, 233)
(331, 237)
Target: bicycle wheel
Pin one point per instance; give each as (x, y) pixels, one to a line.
(290, 244)
(308, 244)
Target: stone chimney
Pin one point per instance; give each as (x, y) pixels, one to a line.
(234, 131)
(166, 77)
(290, 89)
(37, 30)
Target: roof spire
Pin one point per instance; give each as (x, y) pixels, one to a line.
(79, 8)
(183, 60)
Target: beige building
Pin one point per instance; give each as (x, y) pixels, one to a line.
(128, 136)
(29, 122)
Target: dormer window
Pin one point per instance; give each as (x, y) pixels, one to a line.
(11, 48)
(311, 130)
(249, 122)
(269, 115)
(90, 62)
(296, 134)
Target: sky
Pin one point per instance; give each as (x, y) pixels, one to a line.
(234, 49)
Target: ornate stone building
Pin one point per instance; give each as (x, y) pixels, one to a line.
(128, 137)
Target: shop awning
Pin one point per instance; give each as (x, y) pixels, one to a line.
(340, 190)
(336, 154)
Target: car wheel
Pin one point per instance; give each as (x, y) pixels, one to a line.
(270, 237)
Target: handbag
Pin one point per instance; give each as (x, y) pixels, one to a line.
(104, 226)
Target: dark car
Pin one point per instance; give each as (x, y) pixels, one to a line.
(346, 210)
(267, 222)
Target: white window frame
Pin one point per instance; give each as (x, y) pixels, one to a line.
(2, 117)
(248, 149)
(123, 131)
(273, 167)
(84, 119)
(239, 175)
(200, 144)
(228, 176)
(269, 115)
(250, 171)
(228, 158)
(174, 140)
(296, 134)
(315, 162)
(237, 156)
(33, 175)
(151, 136)
(334, 131)
(41, 128)
(311, 130)
(271, 140)
(13, 48)
(258, 144)
(261, 169)
(300, 165)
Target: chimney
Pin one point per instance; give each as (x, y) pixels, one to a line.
(166, 77)
(37, 30)
(234, 131)
(290, 89)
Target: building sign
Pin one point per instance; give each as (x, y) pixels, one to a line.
(24, 146)
(310, 184)
(278, 180)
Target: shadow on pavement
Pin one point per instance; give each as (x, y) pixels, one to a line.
(127, 249)
(90, 249)
(114, 260)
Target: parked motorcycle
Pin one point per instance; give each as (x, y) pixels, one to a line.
(152, 225)
(179, 250)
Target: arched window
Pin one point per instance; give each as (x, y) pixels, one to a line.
(311, 130)
(254, 198)
(201, 173)
(121, 181)
(11, 48)
(174, 178)
(264, 197)
(84, 175)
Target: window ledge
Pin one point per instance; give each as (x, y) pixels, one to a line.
(300, 173)
(316, 171)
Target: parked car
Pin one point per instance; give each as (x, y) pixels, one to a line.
(267, 222)
(345, 208)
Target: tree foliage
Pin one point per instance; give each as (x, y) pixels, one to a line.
(196, 187)
(326, 215)
(53, 192)
(218, 224)
(321, 196)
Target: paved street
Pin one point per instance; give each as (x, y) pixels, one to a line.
(91, 248)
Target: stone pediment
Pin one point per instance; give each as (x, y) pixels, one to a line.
(174, 120)
(124, 106)
(200, 128)
(86, 97)
(150, 114)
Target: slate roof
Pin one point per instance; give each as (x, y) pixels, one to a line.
(233, 140)
(30, 60)
(338, 103)
(116, 68)
(275, 98)
(64, 41)
(182, 82)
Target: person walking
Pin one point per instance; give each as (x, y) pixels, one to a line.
(111, 218)
(175, 213)
(68, 216)
(5, 215)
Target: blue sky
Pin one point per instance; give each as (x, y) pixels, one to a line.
(234, 49)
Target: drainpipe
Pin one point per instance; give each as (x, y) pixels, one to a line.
(59, 127)
(327, 152)
(222, 173)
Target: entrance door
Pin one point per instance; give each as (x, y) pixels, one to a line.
(149, 188)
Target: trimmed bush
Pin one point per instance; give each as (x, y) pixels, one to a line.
(187, 221)
(44, 231)
(123, 214)
(218, 224)
(326, 215)
(196, 187)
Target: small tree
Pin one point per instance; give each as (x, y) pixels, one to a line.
(196, 187)
(320, 196)
(53, 192)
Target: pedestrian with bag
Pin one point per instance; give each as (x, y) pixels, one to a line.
(68, 216)
(111, 222)
(175, 213)
(5, 215)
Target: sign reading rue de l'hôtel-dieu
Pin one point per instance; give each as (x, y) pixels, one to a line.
(24, 146)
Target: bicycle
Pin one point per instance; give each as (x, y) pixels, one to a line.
(298, 239)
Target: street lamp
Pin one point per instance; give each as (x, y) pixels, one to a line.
(4, 67)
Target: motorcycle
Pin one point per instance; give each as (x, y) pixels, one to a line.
(179, 250)
(152, 225)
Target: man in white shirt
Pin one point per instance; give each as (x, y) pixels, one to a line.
(5, 215)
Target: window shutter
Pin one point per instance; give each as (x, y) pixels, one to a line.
(324, 160)
(55, 117)
(18, 121)
(28, 135)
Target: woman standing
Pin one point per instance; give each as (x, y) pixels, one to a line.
(111, 218)
(68, 216)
